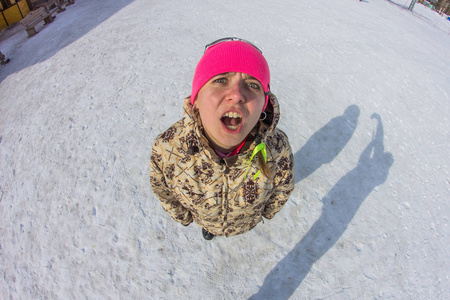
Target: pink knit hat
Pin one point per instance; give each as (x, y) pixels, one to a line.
(233, 55)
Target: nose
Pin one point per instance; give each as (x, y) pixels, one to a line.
(236, 92)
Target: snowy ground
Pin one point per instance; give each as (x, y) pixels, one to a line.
(364, 90)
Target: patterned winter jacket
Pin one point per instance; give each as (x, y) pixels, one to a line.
(194, 184)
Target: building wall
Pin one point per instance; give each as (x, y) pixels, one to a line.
(13, 14)
(443, 6)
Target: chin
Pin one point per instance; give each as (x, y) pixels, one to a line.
(231, 143)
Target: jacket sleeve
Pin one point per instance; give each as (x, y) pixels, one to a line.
(164, 192)
(283, 183)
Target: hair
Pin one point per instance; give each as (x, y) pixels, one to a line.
(267, 120)
(264, 167)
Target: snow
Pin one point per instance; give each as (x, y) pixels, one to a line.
(364, 90)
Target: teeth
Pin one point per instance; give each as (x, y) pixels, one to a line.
(233, 115)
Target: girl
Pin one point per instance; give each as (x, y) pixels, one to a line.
(225, 165)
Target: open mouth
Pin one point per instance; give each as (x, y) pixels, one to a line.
(232, 120)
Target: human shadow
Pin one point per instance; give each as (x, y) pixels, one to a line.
(339, 208)
(326, 143)
(68, 26)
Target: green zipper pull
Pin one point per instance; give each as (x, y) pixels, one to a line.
(261, 147)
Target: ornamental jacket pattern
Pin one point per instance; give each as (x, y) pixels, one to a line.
(194, 184)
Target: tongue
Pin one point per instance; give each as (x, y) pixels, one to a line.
(231, 121)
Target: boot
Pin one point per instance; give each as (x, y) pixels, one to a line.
(207, 235)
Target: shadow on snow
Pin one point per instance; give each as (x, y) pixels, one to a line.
(76, 21)
(339, 205)
(324, 145)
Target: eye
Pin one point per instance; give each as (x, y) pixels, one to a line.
(220, 80)
(253, 85)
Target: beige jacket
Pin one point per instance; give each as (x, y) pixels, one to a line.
(194, 184)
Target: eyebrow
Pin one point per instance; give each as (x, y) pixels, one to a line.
(230, 73)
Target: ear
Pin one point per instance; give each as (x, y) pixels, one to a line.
(195, 107)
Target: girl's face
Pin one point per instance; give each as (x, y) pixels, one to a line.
(230, 105)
